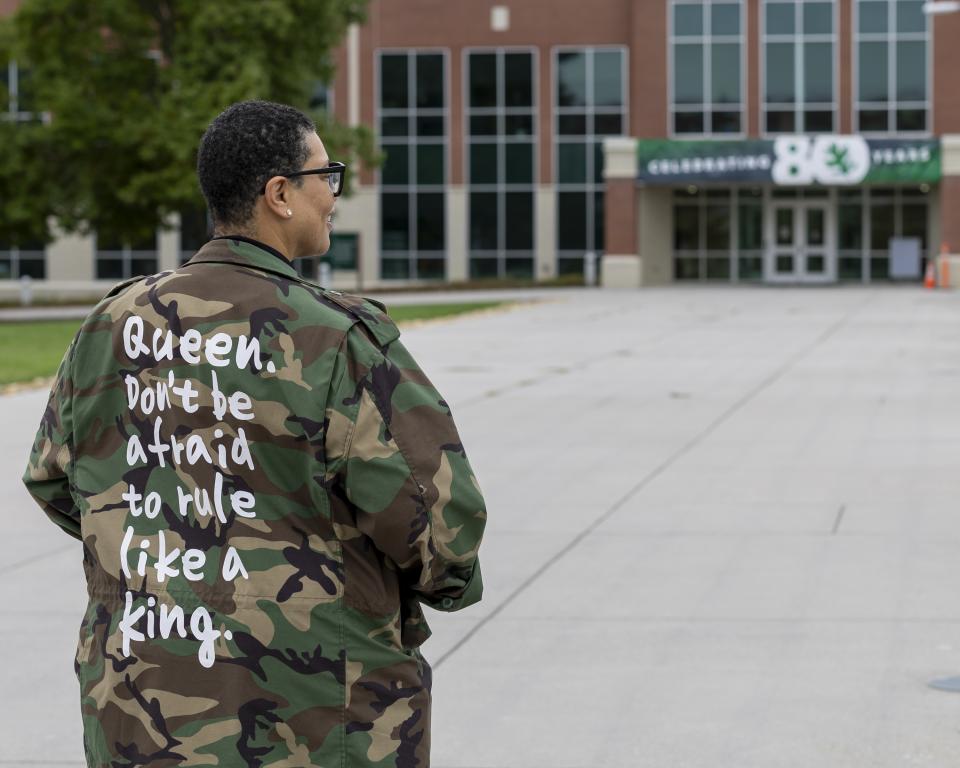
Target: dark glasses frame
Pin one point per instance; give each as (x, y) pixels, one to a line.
(335, 168)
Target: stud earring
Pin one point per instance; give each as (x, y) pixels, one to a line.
(289, 212)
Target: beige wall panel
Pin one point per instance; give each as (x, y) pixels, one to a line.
(360, 213)
(621, 271)
(168, 244)
(545, 258)
(655, 236)
(457, 267)
(70, 257)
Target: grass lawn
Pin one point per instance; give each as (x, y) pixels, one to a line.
(31, 350)
(403, 314)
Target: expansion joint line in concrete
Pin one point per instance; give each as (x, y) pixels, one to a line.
(737, 406)
(563, 370)
(838, 520)
(31, 560)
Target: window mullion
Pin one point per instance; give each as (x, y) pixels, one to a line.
(591, 171)
(13, 79)
(701, 237)
(891, 68)
(734, 253)
(501, 161)
(411, 162)
(897, 212)
(706, 44)
(799, 100)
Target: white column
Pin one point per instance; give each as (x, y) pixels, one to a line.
(70, 257)
(655, 236)
(621, 270)
(949, 263)
(457, 267)
(168, 244)
(545, 258)
(353, 75)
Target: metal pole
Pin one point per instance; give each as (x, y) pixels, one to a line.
(590, 268)
(26, 290)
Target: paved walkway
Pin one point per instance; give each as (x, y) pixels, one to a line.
(723, 531)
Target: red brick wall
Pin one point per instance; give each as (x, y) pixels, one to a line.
(620, 216)
(341, 98)
(639, 24)
(540, 24)
(844, 84)
(647, 67)
(946, 70)
(950, 212)
(369, 34)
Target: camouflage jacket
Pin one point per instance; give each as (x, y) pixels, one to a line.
(267, 488)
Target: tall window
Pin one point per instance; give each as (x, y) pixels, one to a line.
(589, 103)
(706, 67)
(892, 51)
(413, 134)
(501, 120)
(718, 234)
(118, 259)
(799, 53)
(27, 258)
(344, 253)
(16, 83)
(868, 217)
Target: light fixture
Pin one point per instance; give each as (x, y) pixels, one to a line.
(935, 7)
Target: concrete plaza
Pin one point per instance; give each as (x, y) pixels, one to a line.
(724, 531)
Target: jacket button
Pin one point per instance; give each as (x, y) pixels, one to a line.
(446, 602)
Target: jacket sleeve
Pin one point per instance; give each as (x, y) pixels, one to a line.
(393, 444)
(48, 473)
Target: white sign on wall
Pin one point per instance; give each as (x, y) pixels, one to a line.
(829, 159)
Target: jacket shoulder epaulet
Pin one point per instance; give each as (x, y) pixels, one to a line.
(122, 285)
(371, 313)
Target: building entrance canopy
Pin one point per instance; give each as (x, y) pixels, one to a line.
(801, 160)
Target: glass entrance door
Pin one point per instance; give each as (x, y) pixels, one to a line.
(800, 247)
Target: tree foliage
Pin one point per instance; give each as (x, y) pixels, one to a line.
(127, 87)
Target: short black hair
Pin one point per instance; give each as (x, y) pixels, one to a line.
(245, 145)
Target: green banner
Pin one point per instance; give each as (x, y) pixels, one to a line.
(828, 160)
(902, 160)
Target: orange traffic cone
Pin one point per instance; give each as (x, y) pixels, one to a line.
(930, 277)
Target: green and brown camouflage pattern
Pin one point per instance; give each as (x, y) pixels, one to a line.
(342, 500)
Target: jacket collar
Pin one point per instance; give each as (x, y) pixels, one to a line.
(234, 249)
(244, 252)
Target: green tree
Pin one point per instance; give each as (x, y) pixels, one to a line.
(126, 88)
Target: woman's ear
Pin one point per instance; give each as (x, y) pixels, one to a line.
(275, 195)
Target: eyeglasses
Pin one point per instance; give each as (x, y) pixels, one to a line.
(335, 173)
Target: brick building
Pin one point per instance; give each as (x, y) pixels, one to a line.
(697, 140)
